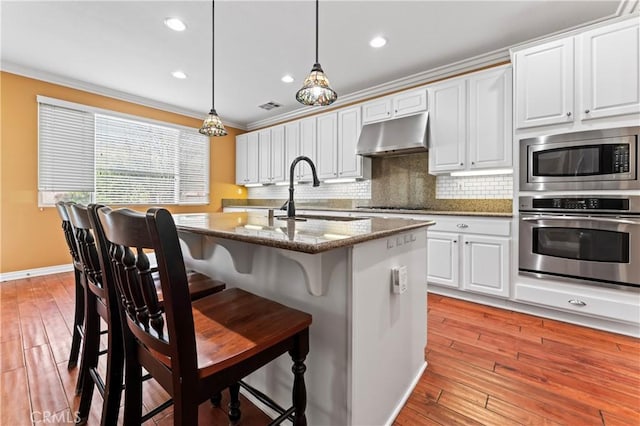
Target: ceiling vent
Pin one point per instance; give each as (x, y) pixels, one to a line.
(269, 106)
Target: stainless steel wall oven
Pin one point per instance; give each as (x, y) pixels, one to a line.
(592, 160)
(592, 239)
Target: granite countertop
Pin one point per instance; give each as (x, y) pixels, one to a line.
(314, 235)
(390, 211)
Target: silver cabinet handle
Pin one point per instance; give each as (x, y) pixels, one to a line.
(473, 162)
(455, 241)
(586, 111)
(462, 225)
(462, 164)
(576, 302)
(466, 242)
(569, 114)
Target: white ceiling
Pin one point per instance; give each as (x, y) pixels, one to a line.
(124, 46)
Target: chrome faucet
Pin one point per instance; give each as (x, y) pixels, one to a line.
(291, 207)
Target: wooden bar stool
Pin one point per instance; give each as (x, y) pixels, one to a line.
(193, 349)
(101, 303)
(78, 272)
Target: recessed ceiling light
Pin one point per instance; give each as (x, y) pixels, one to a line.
(179, 74)
(378, 42)
(287, 79)
(175, 24)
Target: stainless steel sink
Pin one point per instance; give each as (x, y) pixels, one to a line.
(304, 217)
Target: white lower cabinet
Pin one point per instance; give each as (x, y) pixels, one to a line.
(443, 258)
(474, 258)
(486, 265)
(616, 304)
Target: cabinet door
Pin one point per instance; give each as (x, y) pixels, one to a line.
(277, 154)
(327, 146)
(443, 258)
(486, 265)
(490, 134)
(448, 134)
(241, 159)
(253, 158)
(377, 110)
(264, 156)
(409, 103)
(349, 127)
(307, 147)
(545, 84)
(611, 78)
(291, 146)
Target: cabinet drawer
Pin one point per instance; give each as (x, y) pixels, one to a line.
(620, 307)
(501, 228)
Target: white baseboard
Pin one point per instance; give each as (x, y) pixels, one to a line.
(35, 272)
(406, 395)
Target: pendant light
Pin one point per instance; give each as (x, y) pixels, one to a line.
(212, 125)
(315, 90)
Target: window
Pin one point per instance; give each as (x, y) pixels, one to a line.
(86, 155)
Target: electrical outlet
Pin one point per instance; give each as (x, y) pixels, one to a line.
(399, 279)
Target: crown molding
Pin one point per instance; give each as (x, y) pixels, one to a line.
(73, 83)
(411, 81)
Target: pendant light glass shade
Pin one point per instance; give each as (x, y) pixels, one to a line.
(212, 125)
(316, 90)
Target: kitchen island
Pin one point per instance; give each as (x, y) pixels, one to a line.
(367, 342)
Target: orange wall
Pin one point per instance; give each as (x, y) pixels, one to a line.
(31, 237)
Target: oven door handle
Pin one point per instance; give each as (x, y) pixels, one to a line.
(595, 219)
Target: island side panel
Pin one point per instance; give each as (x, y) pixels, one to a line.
(389, 331)
(272, 275)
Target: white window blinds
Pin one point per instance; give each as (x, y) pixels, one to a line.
(65, 149)
(125, 160)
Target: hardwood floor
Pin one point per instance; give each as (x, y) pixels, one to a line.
(487, 366)
(496, 367)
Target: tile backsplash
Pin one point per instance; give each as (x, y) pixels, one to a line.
(351, 190)
(400, 181)
(474, 187)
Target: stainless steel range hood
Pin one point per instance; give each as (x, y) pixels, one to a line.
(398, 136)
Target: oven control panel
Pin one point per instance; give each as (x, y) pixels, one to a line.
(612, 204)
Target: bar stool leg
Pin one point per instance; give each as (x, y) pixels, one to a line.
(234, 403)
(298, 355)
(78, 320)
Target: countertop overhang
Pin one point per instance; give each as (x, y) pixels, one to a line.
(308, 236)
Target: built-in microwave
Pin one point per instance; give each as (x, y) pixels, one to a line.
(592, 160)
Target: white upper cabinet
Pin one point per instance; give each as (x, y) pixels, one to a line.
(611, 78)
(575, 79)
(327, 140)
(241, 159)
(376, 110)
(291, 147)
(271, 155)
(308, 147)
(350, 165)
(490, 116)
(401, 104)
(264, 155)
(247, 160)
(470, 122)
(448, 126)
(544, 84)
(408, 103)
(277, 154)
